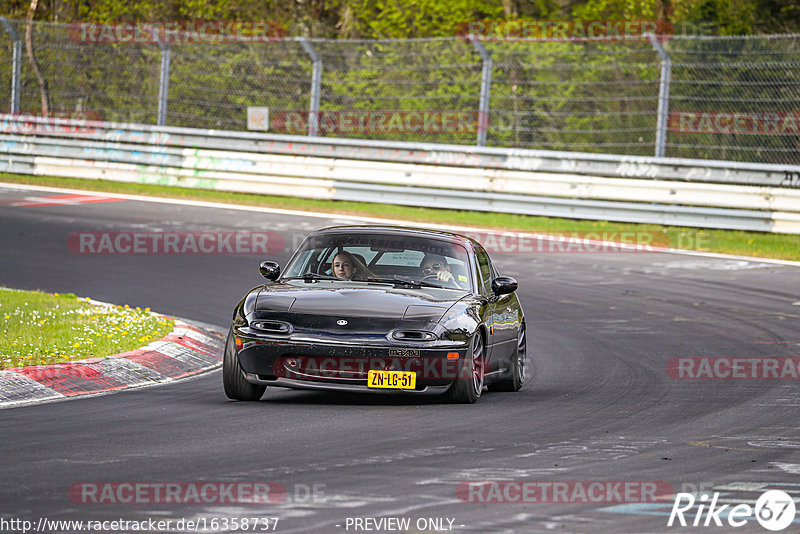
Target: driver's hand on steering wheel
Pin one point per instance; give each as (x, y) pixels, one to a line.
(445, 276)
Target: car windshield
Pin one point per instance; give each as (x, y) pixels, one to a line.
(382, 258)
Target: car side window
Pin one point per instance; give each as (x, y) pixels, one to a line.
(485, 271)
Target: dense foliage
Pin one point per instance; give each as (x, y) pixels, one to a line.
(369, 19)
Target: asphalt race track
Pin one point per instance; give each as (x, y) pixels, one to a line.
(601, 405)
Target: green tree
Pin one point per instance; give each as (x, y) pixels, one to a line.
(421, 18)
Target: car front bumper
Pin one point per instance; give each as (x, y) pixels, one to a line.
(344, 366)
(328, 386)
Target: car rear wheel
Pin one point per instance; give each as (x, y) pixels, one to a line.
(236, 387)
(468, 384)
(516, 375)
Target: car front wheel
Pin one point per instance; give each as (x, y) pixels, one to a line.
(468, 385)
(236, 387)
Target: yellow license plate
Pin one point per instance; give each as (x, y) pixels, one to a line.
(392, 379)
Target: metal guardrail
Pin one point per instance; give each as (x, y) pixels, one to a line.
(574, 185)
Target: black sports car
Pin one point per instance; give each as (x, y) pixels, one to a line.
(381, 309)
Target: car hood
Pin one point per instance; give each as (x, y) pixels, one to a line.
(366, 308)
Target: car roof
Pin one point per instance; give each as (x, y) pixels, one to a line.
(396, 230)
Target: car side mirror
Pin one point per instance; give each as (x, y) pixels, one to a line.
(503, 285)
(269, 270)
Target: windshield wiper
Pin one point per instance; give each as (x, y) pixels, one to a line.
(308, 277)
(406, 280)
(380, 280)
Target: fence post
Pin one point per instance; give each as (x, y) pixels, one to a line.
(663, 94)
(16, 64)
(486, 88)
(163, 84)
(316, 86)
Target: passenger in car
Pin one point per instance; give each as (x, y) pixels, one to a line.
(346, 266)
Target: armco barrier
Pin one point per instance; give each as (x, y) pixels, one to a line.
(700, 193)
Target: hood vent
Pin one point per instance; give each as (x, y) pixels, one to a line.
(413, 335)
(272, 327)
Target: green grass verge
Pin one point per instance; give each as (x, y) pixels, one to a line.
(41, 328)
(757, 244)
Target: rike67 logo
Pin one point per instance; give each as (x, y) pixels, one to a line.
(774, 510)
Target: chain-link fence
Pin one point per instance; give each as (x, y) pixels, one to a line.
(735, 98)
(731, 98)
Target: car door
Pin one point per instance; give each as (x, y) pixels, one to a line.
(485, 290)
(506, 324)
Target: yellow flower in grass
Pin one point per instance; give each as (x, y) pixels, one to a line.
(76, 345)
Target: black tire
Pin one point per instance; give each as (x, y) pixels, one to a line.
(236, 387)
(516, 377)
(468, 385)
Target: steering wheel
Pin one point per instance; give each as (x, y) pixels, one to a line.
(446, 284)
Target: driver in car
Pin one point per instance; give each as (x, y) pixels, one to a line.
(436, 265)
